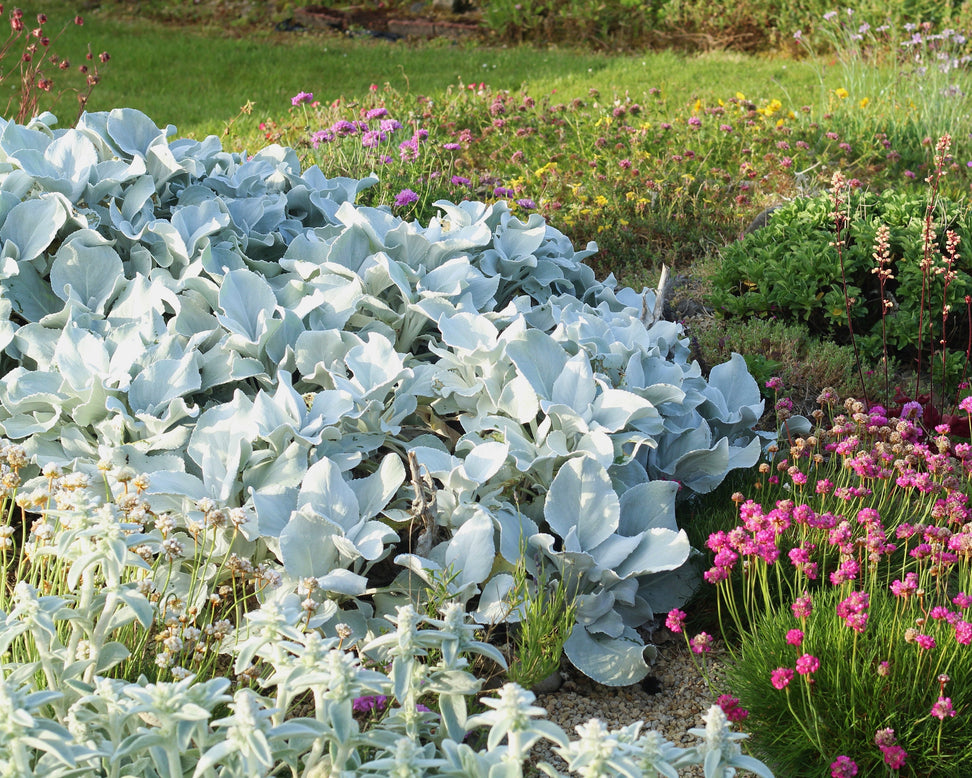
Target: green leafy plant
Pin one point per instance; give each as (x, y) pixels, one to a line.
(547, 613)
(790, 269)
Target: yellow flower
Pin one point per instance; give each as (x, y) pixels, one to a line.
(629, 196)
(864, 101)
(841, 93)
(740, 96)
(697, 106)
(600, 200)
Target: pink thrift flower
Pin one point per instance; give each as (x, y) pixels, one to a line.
(962, 600)
(781, 677)
(802, 607)
(966, 404)
(894, 756)
(730, 706)
(675, 620)
(843, 767)
(925, 641)
(702, 643)
(884, 737)
(963, 632)
(943, 709)
(301, 97)
(807, 664)
(794, 637)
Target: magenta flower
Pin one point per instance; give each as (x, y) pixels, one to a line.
(405, 197)
(966, 404)
(451, 146)
(843, 767)
(853, 610)
(794, 637)
(807, 664)
(301, 97)
(367, 704)
(694, 121)
(781, 677)
(802, 607)
(675, 620)
(925, 642)
(943, 709)
(730, 706)
(963, 632)
(775, 383)
(894, 756)
(702, 643)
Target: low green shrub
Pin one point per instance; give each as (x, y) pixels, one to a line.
(791, 270)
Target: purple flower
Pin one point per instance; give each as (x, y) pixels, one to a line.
(502, 191)
(389, 125)
(372, 138)
(405, 197)
(460, 181)
(527, 203)
(343, 127)
(694, 121)
(301, 97)
(376, 113)
(843, 766)
(894, 756)
(367, 704)
(452, 146)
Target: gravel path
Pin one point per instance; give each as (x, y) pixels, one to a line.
(671, 704)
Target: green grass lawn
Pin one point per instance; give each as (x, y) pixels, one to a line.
(198, 80)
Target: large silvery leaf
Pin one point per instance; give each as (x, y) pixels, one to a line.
(581, 505)
(246, 304)
(539, 358)
(64, 166)
(87, 270)
(133, 132)
(307, 545)
(327, 493)
(32, 225)
(163, 381)
(375, 491)
(611, 661)
(470, 551)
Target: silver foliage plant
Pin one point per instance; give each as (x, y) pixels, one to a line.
(239, 331)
